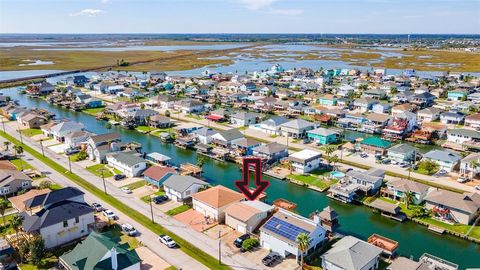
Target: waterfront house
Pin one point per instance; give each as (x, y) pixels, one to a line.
(77, 138)
(473, 121)
(246, 216)
(429, 114)
(142, 116)
(305, 161)
(296, 128)
(452, 207)
(375, 145)
(60, 216)
(466, 163)
(272, 126)
(178, 188)
(407, 107)
(381, 108)
(368, 181)
(457, 94)
(422, 100)
(345, 90)
(156, 175)
(244, 118)
(280, 232)
(13, 181)
(244, 146)
(327, 100)
(88, 101)
(162, 101)
(397, 188)
(402, 153)
(204, 135)
(266, 104)
(271, 152)
(101, 251)
(462, 136)
(189, 106)
(445, 159)
(129, 163)
(226, 137)
(323, 136)
(452, 117)
(44, 88)
(31, 120)
(248, 87)
(60, 130)
(98, 146)
(375, 94)
(159, 121)
(364, 104)
(426, 262)
(77, 80)
(212, 202)
(219, 115)
(351, 253)
(375, 123)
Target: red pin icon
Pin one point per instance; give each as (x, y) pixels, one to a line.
(260, 185)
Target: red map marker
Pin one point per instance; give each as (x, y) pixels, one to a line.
(260, 185)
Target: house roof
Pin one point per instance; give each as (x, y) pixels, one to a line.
(128, 158)
(442, 156)
(429, 111)
(351, 253)
(231, 134)
(241, 211)
(66, 126)
(275, 121)
(244, 115)
(322, 132)
(205, 132)
(53, 214)
(246, 142)
(53, 197)
(468, 202)
(158, 172)
(405, 185)
(8, 176)
(181, 183)
(218, 196)
(105, 137)
(305, 155)
(7, 165)
(365, 176)
(376, 142)
(270, 148)
(378, 117)
(402, 148)
(465, 133)
(89, 253)
(18, 202)
(297, 124)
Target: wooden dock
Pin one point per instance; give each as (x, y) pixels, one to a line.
(436, 229)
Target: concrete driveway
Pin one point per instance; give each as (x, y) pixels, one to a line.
(150, 260)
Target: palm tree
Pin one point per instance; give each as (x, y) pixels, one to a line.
(6, 144)
(18, 149)
(329, 150)
(3, 208)
(474, 165)
(408, 197)
(16, 222)
(303, 240)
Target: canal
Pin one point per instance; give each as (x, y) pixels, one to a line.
(414, 240)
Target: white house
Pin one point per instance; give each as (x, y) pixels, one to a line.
(446, 160)
(212, 202)
(128, 163)
(272, 126)
(180, 187)
(351, 253)
(246, 216)
(279, 233)
(462, 135)
(204, 135)
(60, 130)
(305, 161)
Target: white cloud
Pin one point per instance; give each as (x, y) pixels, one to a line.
(88, 12)
(104, 1)
(256, 4)
(287, 12)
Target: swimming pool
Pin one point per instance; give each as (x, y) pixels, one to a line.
(337, 174)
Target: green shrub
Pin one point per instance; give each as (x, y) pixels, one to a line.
(250, 244)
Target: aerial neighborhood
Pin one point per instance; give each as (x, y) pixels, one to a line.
(401, 147)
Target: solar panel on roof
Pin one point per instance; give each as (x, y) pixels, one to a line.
(284, 228)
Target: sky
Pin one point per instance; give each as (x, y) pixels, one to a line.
(241, 16)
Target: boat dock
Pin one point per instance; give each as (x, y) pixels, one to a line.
(436, 229)
(389, 210)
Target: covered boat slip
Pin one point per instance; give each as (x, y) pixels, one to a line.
(389, 246)
(388, 210)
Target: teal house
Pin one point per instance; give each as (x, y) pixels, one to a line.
(457, 94)
(327, 100)
(323, 136)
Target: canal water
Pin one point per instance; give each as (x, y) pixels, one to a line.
(360, 221)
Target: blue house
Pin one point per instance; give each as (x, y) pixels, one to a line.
(327, 100)
(167, 86)
(323, 136)
(457, 94)
(156, 175)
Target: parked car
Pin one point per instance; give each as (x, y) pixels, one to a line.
(71, 151)
(363, 155)
(98, 207)
(386, 161)
(404, 165)
(440, 173)
(126, 190)
(239, 241)
(167, 241)
(271, 258)
(109, 214)
(129, 229)
(462, 179)
(119, 176)
(477, 187)
(160, 199)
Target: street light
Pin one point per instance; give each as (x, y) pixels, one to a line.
(103, 179)
(21, 137)
(151, 209)
(3, 124)
(69, 164)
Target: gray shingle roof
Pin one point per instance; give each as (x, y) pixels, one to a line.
(128, 158)
(351, 253)
(181, 183)
(442, 155)
(297, 124)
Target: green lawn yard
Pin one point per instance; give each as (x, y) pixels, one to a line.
(145, 129)
(97, 170)
(146, 198)
(30, 132)
(315, 178)
(135, 185)
(94, 111)
(178, 210)
(20, 163)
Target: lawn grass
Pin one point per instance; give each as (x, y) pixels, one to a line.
(97, 170)
(30, 132)
(55, 186)
(315, 178)
(193, 116)
(146, 198)
(20, 163)
(178, 210)
(135, 185)
(133, 242)
(158, 131)
(171, 268)
(6, 229)
(191, 250)
(145, 129)
(94, 111)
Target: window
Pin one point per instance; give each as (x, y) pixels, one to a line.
(77, 220)
(65, 223)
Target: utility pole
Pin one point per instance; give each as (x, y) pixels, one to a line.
(219, 247)
(103, 179)
(151, 209)
(21, 137)
(69, 163)
(41, 145)
(3, 124)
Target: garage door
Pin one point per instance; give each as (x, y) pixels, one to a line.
(241, 228)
